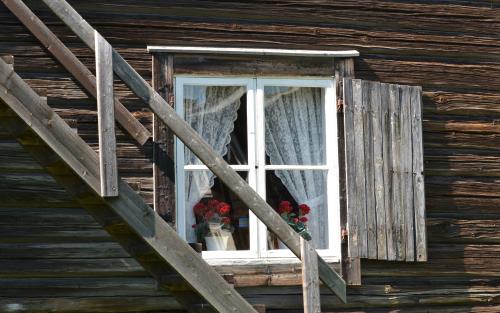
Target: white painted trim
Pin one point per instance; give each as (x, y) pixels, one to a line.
(296, 167)
(331, 165)
(181, 168)
(195, 167)
(254, 51)
(257, 168)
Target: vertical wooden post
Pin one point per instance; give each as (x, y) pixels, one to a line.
(310, 277)
(9, 59)
(163, 140)
(351, 267)
(106, 117)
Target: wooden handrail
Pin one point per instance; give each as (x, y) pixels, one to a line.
(79, 71)
(198, 146)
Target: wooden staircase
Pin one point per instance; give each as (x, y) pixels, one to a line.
(127, 218)
(124, 214)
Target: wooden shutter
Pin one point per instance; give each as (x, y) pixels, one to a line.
(384, 171)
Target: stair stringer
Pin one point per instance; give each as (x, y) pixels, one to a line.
(127, 218)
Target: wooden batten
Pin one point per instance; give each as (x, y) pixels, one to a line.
(106, 117)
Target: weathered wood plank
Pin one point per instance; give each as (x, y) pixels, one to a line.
(385, 120)
(310, 278)
(378, 162)
(62, 250)
(108, 168)
(351, 263)
(359, 163)
(70, 268)
(418, 178)
(406, 173)
(245, 65)
(74, 66)
(442, 230)
(353, 202)
(462, 186)
(195, 143)
(397, 223)
(369, 169)
(91, 304)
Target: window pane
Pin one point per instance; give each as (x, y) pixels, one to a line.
(294, 124)
(214, 216)
(218, 114)
(300, 198)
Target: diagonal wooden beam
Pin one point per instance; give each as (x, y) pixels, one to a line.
(152, 231)
(199, 147)
(81, 73)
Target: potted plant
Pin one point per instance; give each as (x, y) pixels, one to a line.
(214, 225)
(296, 218)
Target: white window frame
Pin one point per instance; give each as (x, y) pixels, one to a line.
(256, 166)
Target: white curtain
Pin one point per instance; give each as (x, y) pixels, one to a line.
(294, 120)
(211, 111)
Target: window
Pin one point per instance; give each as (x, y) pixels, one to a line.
(281, 136)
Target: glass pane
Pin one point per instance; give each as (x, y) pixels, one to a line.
(218, 114)
(294, 124)
(215, 217)
(300, 198)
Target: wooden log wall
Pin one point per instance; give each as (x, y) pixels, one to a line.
(53, 257)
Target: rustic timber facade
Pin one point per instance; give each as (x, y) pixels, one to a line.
(56, 258)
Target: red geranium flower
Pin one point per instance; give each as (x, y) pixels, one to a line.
(212, 204)
(223, 208)
(199, 209)
(209, 215)
(285, 207)
(226, 220)
(295, 220)
(305, 209)
(303, 219)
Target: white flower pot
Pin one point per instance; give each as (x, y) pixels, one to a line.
(219, 239)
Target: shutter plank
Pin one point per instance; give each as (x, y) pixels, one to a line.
(418, 178)
(350, 156)
(384, 155)
(359, 163)
(406, 175)
(378, 163)
(398, 220)
(388, 170)
(371, 226)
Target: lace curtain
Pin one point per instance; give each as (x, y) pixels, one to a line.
(294, 121)
(211, 111)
